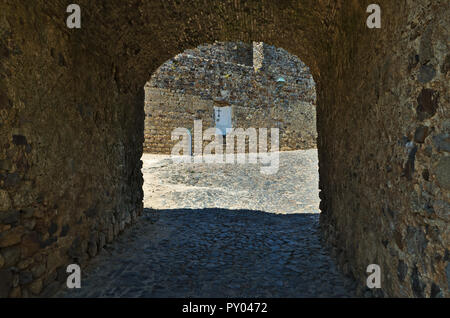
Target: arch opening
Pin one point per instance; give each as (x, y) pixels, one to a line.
(252, 94)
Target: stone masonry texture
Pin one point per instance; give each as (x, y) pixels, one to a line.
(243, 76)
(72, 122)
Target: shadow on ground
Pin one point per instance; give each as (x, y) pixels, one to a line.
(216, 253)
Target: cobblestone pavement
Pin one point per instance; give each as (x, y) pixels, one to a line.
(213, 252)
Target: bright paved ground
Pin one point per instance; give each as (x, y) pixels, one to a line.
(293, 189)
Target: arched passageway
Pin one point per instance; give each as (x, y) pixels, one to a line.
(221, 227)
(71, 111)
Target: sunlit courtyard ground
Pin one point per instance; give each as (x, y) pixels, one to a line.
(292, 189)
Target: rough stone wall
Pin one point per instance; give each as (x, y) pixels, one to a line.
(224, 74)
(72, 120)
(165, 111)
(57, 140)
(384, 142)
(258, 55)
(226, 52)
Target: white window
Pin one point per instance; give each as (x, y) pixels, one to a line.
(222, 118)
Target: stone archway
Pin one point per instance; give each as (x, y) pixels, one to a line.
(71, 111)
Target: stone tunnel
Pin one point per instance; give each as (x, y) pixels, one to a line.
(72, 120)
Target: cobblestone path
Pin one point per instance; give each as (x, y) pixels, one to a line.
(193, 251)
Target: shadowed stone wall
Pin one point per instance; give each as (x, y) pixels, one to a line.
(224, 74)
(72, 120)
